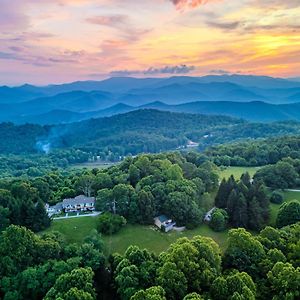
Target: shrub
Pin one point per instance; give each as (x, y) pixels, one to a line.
(289, 213)
(110, 223)
(219, 220)
(276, 198)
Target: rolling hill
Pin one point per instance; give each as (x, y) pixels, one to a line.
(255, 111)
(143, 130)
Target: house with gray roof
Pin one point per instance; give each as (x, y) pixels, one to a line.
(164, 223)
(79, 203)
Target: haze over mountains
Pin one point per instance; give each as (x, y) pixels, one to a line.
(255, 98)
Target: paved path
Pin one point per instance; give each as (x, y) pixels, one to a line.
(79, 216)
(293, 190)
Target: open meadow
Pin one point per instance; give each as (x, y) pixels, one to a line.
(226, 172)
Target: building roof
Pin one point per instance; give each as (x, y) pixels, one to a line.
(162, 218)
(81, 199)
(58, 206)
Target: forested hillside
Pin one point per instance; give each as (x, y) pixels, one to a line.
(147, 131)
(141, 131)
(135, 132)
(20, 139)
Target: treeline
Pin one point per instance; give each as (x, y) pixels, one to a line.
(35, 165)
(245, 131)
(152, 131)
(256, 153)
(264, 266)
(246, 202)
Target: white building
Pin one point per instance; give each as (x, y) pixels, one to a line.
(79, 203)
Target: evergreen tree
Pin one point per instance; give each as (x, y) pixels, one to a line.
(255, 220)
(239, 217)
(264, 202)
(231, 204)
(27, 212)
(246, 179)
(42, 220)
(222, 195)
(242, 188)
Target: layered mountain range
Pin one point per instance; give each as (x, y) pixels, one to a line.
(254, 98)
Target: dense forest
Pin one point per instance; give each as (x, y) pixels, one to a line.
(181, 186)
(139, 132)
(135, 132)
(138, 189)
(35, 165)
(263, 266)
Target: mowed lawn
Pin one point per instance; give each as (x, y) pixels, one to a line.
(76, 229)
(237, 172)
(149, 237)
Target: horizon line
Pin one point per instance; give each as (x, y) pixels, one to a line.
(141, 78)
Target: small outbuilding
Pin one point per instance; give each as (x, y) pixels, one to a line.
(164, 223)
(208, 215)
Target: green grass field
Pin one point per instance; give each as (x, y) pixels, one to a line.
(237, 171)
(76, 229)
(154, 240)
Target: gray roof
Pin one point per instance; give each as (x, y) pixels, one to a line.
(162, 218)
(78, 200)
(58, 206)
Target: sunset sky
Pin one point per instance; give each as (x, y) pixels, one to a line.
(53, 41)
